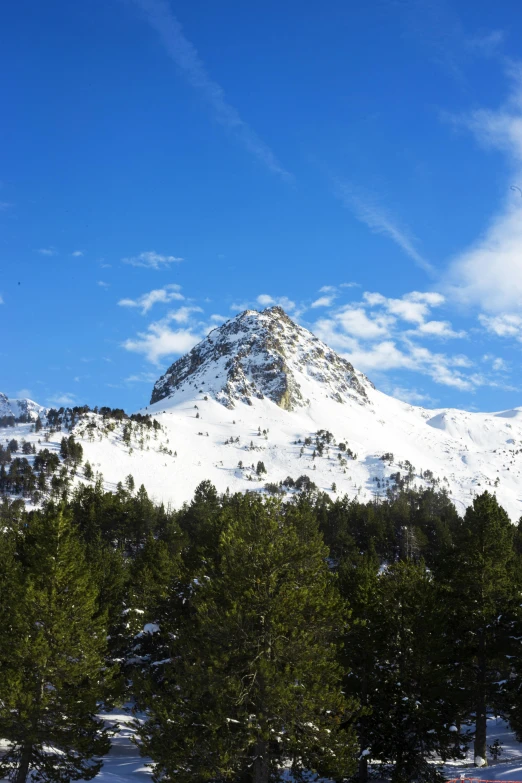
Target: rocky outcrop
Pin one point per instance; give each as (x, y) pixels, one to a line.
(261, 354)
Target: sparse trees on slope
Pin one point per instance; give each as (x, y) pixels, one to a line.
(253, 680)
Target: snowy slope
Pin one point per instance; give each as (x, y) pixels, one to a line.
(21, 407)
(261, 373)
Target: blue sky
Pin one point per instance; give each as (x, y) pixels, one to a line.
(166, 164)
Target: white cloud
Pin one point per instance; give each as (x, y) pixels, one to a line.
(380, 221)
(103, 284)
(356, 323)
(62, 399)
(77, 253)
(413, 307)
(145, 302)
(1, 299)
(412, 396)
(265, 300)
(24, 394)
(327, 289)
(323, 301)
(218, 319)
(376, 336)
(160, 340)
(497, 363)
(441, 329)
(142, 377)
(186, 57)
(506, 325)
(47, 251)
(152, 260)
(182, 315)
(489, 273)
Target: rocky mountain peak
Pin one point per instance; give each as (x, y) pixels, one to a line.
(19, 407)
(258, 355)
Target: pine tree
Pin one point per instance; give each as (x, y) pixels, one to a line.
(401, 668)
(484, 602)
(253, 680)
(359, 584)
(48, 715)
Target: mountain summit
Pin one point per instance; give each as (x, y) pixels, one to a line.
(262, 405)
(19, 407)
(258, 355)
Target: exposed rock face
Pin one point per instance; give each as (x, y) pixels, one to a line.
(262, 354)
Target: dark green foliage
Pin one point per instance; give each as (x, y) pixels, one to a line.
(401, 666)
(212, 614)
(484, 582)
(53, 669)
(253, 679)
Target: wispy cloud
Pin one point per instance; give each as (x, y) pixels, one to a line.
(265, 300)
(186, 57)
(24, 394)
(486, 45)
(152, 260)
(183, 314)
(505, 325)
(438, 29)
(103, 284)
(497, 363)
(381, 334)
(1, 299)
(77, 253)
(47, 251)
(324, 301)
(489, 273)
(379, 220)
(142, 377)
(413, 396)
(62, 398)
(159, 295)
(5, 205)
(160, 340)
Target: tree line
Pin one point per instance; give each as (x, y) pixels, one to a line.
(257, 635)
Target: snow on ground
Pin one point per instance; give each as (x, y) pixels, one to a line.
(123, 763)
(507, 768)
(468, 452)
(227, 389)
(19, 407)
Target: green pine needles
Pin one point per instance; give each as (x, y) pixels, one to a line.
(51, 662)
(253, 685)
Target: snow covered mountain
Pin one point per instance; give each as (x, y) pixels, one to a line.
(17, 408)
(258, 355)
(260, 393)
